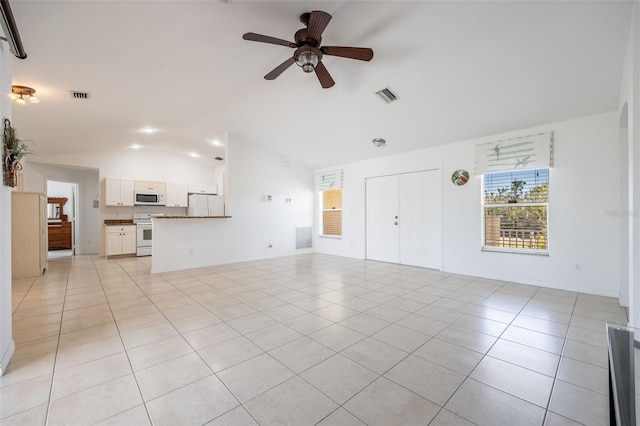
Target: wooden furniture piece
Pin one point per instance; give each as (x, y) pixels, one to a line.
(28, 234)
(59, 227)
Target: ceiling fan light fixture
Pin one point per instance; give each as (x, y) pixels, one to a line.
(307, 60)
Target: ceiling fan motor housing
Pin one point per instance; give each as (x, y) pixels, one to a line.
(302, 39)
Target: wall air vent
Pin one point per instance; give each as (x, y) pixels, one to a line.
(218, 158)
(79, 95)
(304, 237)
(387, 95)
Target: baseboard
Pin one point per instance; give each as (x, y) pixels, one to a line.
(6, 357)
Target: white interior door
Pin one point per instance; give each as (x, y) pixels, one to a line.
(404, 219)
(421, 219)
(382, 227)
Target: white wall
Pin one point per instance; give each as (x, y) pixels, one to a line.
(583, 189)
(61, 190)
(252, 173)
(35, 179)
(629, 110)
(7, 346)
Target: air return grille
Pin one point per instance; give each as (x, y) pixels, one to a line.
(303, 237)
(79, 95)
(387, 95)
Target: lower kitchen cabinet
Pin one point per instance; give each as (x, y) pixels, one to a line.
(121, 239)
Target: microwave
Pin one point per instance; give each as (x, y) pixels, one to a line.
(150, 198)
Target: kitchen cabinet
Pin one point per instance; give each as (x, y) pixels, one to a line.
(121, 239)
(119, 192)
(149, 185)
(177, 195)
(28, 234)
(206, 188)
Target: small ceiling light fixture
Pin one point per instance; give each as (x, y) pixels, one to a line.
(19, 92)
(148, 130)
(135, 146)
(379, 142)
(215, 142)
(194, 154)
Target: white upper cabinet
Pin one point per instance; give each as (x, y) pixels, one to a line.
(150, 185)
(207, 188)
(119, 192)
(177, 195)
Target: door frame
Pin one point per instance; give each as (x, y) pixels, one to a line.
(75, 234)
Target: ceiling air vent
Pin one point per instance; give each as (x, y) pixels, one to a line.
(387, 95)
(79, 95)
(218, 158)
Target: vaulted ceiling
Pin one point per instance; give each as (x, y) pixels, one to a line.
(461, 69)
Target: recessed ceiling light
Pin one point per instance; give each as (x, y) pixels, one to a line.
(194, 154)
(148, 130)
(215, 142)
(135, 146)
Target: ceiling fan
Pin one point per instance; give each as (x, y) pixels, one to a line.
(309, 52)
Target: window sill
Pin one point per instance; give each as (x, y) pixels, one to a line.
(331, 237)
(515, 251)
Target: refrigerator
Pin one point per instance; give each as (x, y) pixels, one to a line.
(205, 205)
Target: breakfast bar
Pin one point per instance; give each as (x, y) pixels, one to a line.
(185, 242)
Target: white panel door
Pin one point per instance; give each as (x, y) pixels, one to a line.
(421, 219)
(382, 230)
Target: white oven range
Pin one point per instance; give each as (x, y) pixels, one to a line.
(144, 232)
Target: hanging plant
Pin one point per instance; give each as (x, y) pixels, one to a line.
(14, 150)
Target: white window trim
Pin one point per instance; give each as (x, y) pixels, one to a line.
(510, 250)
(321, 219)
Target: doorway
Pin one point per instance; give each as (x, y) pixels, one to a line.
(404, 219)
(62, 218)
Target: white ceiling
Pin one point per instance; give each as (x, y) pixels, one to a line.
(461, 70)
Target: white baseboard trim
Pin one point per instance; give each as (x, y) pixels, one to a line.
(6, 357)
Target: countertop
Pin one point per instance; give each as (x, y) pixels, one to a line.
(192, 217)
(116, 222)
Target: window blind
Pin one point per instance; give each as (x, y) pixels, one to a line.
(515, 209)
(525, 153)
(330, 179)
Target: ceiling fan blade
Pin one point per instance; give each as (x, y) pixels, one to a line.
(323, 75)
(359, 53)
(318, 21)
(279, 69)
(266, 39)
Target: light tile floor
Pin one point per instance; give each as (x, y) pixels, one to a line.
(310, 339)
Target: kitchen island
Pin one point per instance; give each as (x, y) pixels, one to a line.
(186, 242)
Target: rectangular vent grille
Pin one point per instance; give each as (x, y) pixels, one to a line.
(303, 237)
(387, 95)
(79, 95)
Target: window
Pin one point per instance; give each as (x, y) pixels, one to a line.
(332, 212)
(515, 210)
